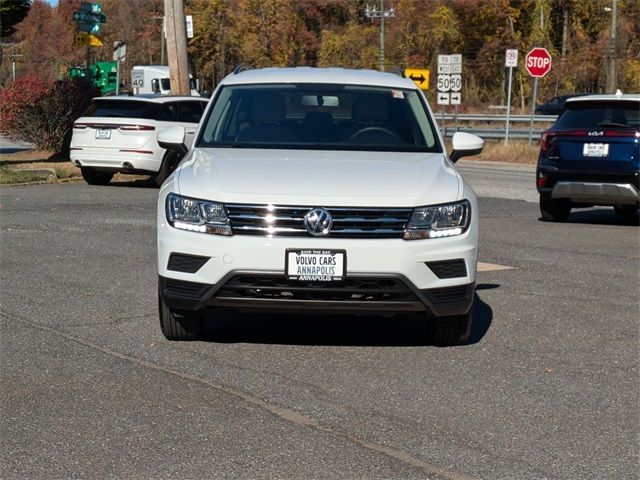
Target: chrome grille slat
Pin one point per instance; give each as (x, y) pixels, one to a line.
(367, 220)
(348, 222)
(253, 216)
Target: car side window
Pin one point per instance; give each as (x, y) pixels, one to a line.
(168, 112)
(190, 112)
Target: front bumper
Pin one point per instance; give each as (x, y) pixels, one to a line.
(246, 290)
(245, 272)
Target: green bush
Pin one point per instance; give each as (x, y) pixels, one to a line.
(43, 113)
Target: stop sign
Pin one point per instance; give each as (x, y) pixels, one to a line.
(538, 62)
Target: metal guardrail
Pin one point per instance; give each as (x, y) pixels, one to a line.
(456, 123)
(480, 117)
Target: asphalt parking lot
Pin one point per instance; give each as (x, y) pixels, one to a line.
(548, 386)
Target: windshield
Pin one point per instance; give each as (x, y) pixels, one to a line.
(592, 114)
(309, 116)
(122, 109)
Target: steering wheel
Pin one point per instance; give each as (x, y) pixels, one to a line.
(364, 130)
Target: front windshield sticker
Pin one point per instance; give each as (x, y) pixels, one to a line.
(397, 93)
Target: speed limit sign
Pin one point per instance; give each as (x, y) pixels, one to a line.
(137, 78)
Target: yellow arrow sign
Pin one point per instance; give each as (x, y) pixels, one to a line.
(420, 77)
(84, 38)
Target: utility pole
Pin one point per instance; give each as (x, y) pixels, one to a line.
(177, 47)
(611, 54)
(372, 12)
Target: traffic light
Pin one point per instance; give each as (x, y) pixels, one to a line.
(90, 18)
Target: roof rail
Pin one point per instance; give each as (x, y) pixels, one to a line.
(241, 68)
(397, 71)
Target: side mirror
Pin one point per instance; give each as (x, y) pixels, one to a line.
(465, 144)
(172, 138)
(155, 85)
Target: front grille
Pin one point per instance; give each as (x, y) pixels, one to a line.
(276, 287)
(348, 222)
(180, 262)
(448, 268)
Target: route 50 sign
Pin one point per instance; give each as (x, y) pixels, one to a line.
(449, 79)
(444, 83)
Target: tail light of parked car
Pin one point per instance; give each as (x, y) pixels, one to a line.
(138, 128)
(541, 180)
(126, 127)
(547, 139)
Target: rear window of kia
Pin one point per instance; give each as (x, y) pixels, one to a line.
(600, 115)
(123, 109)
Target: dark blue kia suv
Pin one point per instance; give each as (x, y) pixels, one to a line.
(591, 156)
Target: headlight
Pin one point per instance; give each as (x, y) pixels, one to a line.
(439, 221)
(197, 215)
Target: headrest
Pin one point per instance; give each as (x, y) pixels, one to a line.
(370, 108)
(267, 108)
(318, 119)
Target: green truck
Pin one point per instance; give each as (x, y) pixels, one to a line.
(103, 75)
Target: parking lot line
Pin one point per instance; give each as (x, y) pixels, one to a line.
(492, 267)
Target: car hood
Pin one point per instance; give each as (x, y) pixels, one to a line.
(318, 177)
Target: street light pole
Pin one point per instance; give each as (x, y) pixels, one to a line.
(611, 84)
(13, 65)
(372, 12)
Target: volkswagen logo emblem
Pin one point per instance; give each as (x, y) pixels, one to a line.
(318, 222)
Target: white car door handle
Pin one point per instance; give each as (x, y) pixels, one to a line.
(191, 131)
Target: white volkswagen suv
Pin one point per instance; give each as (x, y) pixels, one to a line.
(318, 190)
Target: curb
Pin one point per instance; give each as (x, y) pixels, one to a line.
(43, 182)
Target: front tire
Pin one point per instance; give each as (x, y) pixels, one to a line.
(554, 210)
(182, 327)
(452, 331)
(630, 212)
(94, 177)
(170, 162)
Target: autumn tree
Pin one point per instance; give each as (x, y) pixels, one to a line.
(337, 33)
(214, 48)
(268, 33)
(11, 13)
(354, 46)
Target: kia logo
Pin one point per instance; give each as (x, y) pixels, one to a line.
(595, 134)
(318, 222)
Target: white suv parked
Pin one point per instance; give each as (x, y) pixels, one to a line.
(118, 134)
(318, 190)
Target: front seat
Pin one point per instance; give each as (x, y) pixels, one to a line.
(370, 114)
(265, 121)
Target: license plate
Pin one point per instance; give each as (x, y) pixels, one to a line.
(595, 149)
(315, 265)
(103, 134)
